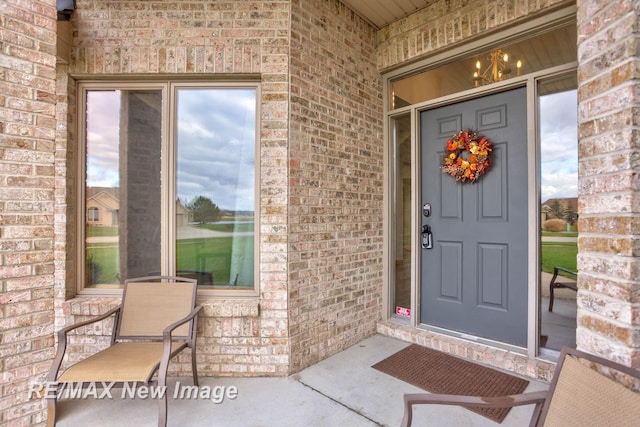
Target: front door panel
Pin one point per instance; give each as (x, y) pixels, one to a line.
(474, 278)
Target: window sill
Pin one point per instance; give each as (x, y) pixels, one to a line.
(212, 307)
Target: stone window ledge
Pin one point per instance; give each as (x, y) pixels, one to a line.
(95, 306)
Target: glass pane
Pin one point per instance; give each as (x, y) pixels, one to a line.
(122, 187)
(558, 101)
(543, 51)
(401, 137)
(216, 134)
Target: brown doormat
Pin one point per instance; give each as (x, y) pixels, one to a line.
(438, 372)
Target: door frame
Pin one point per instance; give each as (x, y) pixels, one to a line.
(533, 152)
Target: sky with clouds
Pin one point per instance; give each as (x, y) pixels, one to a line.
(559, 145)
(215, 148)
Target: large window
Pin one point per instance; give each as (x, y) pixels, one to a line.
(174, 163)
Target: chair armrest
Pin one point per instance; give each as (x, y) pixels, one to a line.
(166, 342)
(64, 331)
(566, 270)
(62, 340)
(166, 334)
(531, 398)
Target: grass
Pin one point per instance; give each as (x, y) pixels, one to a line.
(561, 254)
(102, 231)
(213, 255)
(105, 256)
(559, 234)
(236, 227)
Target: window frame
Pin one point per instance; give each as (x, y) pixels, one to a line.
(168, 86)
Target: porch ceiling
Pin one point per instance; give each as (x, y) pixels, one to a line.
(383, 12)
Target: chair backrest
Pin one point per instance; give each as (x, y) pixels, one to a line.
(150, 304)
(581, 395)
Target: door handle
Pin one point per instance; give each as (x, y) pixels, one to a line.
(426, 238)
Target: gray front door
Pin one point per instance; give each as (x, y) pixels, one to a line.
(474, 278)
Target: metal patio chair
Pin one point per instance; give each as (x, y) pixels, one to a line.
(582, 393)
(156, 320)
(555, 284)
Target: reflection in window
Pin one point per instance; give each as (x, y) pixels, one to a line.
(215, 186)
(123, 141)
(558, 206)
(211, 191)
(401, 139)
(93, 215)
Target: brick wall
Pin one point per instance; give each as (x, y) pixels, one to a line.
(336, 187)
(344, 120)
(122, 37)
(609, 280)
(444, 24)
(27, 145)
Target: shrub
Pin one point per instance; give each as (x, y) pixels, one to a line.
(554, 225)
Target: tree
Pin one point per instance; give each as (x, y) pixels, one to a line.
(204, 210)
(570, 215)
(557, 209)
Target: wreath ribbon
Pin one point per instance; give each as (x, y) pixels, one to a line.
(468, 157)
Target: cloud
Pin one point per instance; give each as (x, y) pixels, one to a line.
(559, 145)
(215, 149)
(103, 136)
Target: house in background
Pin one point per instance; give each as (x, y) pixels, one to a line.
(334, 89)
(183, 215)
(567, 204)
(103, 205)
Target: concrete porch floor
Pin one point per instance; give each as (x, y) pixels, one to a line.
(343, 390)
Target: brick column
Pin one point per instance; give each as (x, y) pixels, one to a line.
(609, 190)
(27, 176)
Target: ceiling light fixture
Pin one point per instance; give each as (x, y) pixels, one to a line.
(497, 70)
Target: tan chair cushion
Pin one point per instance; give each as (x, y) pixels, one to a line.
(135, 361)
(584, 397)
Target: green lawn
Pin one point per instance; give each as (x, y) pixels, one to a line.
(562, 254)
(236, 227)
(102, 231)
(559, 233)
(213, 255)
(104, 263)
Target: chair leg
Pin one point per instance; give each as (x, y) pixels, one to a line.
(162, 407)
(194, 367)
(51, 412)
(551, 288)
(162, 402)
(408, 415)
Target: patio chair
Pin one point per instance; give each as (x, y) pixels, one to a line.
(156, 320)
(554, 284)
(579, 395)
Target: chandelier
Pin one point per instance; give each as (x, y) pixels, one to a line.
(497, 70)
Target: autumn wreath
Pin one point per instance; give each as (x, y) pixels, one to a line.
(468, 156)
